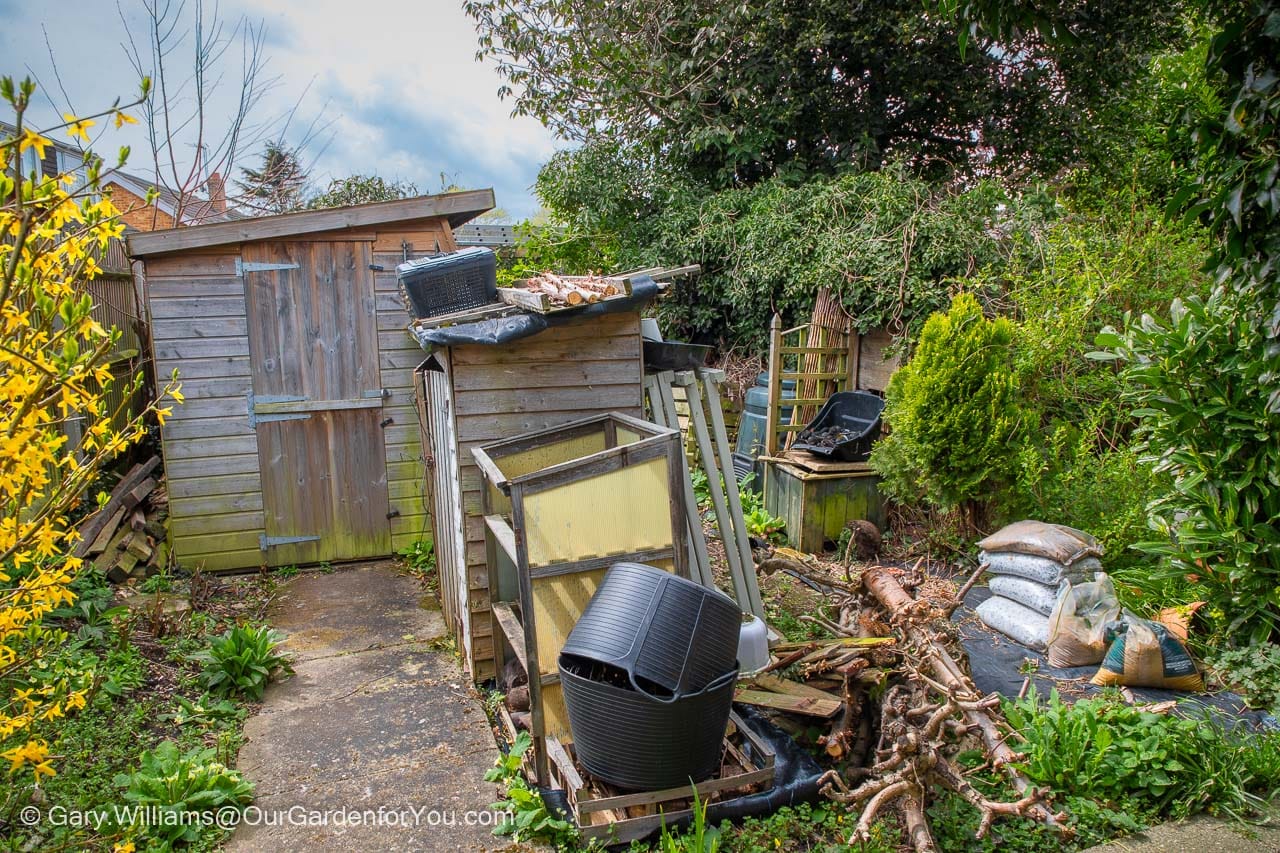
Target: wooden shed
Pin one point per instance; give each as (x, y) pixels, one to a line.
(474, 394)
(298, 441)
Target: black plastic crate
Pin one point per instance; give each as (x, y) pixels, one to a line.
(444, 284)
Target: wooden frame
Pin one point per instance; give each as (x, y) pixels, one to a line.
(618, 818)
(535, 567)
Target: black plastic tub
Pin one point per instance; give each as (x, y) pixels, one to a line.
(674, 355)
(445, 284)
(845, 427)
(636, 741)
(670, 635)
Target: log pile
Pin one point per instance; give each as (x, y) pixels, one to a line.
(573, 290)
(127, 538)
(899, 749)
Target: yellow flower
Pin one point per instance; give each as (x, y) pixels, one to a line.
(123, 847)
(124, 118)
(78, 127)
(31, 139)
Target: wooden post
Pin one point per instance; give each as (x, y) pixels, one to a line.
(773, 410)
(662, 409)
(854, 358)
(754, 604)
(533, 668)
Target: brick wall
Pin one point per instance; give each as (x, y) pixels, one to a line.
(136, 213)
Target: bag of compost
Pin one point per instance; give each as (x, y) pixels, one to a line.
(1145, 654)
(1057, 542)
(1078, 622)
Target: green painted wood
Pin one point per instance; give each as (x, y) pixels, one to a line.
(817, 507)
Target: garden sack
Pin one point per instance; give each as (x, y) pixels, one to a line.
(1078, 623)
(1145, 654)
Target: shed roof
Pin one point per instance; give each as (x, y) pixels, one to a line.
(457, 207)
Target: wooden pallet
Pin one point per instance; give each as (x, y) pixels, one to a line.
(602, 812)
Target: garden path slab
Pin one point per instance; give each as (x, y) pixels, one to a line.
(373, 718)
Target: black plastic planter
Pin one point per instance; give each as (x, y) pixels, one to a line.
(844, 428)
(670, 635)
(635, 741)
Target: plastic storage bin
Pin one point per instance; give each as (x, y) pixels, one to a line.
(445, 284)
(845, 427)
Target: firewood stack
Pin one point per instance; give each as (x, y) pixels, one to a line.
(572, 290)
(127, 538)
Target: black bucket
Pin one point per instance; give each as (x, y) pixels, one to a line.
(670, 635)
(844, 428)
(636, 741)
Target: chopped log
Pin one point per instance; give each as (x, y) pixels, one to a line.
(93, 525)
(139, 492)
(138, 519)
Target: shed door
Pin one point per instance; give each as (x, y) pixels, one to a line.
(317, 401)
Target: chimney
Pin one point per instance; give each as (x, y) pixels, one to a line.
(217, 193)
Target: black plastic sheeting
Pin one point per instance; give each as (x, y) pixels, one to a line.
(997, 664)
(795, 779)
(504, 330)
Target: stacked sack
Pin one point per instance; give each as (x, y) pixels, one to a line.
(1030, 562)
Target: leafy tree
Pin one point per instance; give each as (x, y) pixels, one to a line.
(361, 189)
(952, 411)
(734, 93)
(53, 366)
(277, 186)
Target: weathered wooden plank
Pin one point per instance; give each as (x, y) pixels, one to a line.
(402, 489)
(199, 327)
(214, 504)
(222, 523)
(224, 560)
(192, 307)
(397, 378)
(394, 321)
(395, 339)
(213, 543)
(203, 368)
(548, 374)
(492, 427)
(805, 705)
(458, 205)
(181, 350)
(212, 407)
(420, 241)
(204, 265)
(200, 388)
(516, 401)
(406, 358)
(390, 302)
(210, 466)
(177, 430)
(209, 486)
(161, 289)
(617, 347)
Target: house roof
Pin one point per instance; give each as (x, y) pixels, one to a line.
(457, 207)
(196, 211)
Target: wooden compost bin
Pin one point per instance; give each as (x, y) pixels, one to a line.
(561, 506)
(298, 441)
(473, 394)
(816, 498)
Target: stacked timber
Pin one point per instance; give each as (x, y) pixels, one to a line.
(127, 538)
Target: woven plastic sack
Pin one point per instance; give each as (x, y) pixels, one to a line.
(1038, 569)
(1078, 622)
(1145, 654)
(1020, 624)
(1057, 542)
(1040, 597)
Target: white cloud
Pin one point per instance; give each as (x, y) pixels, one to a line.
(398, 81)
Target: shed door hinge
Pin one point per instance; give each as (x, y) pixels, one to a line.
(265, 541)
(243, 267)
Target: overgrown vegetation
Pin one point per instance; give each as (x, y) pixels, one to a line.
(528, 817)
(242, 662)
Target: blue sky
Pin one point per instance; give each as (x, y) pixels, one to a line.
(397, 85)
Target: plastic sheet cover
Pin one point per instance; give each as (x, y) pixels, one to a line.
(504, 330)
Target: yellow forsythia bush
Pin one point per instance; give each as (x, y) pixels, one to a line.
(53, 366)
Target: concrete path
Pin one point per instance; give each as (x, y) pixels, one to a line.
(373, 719)
(1199, 835)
